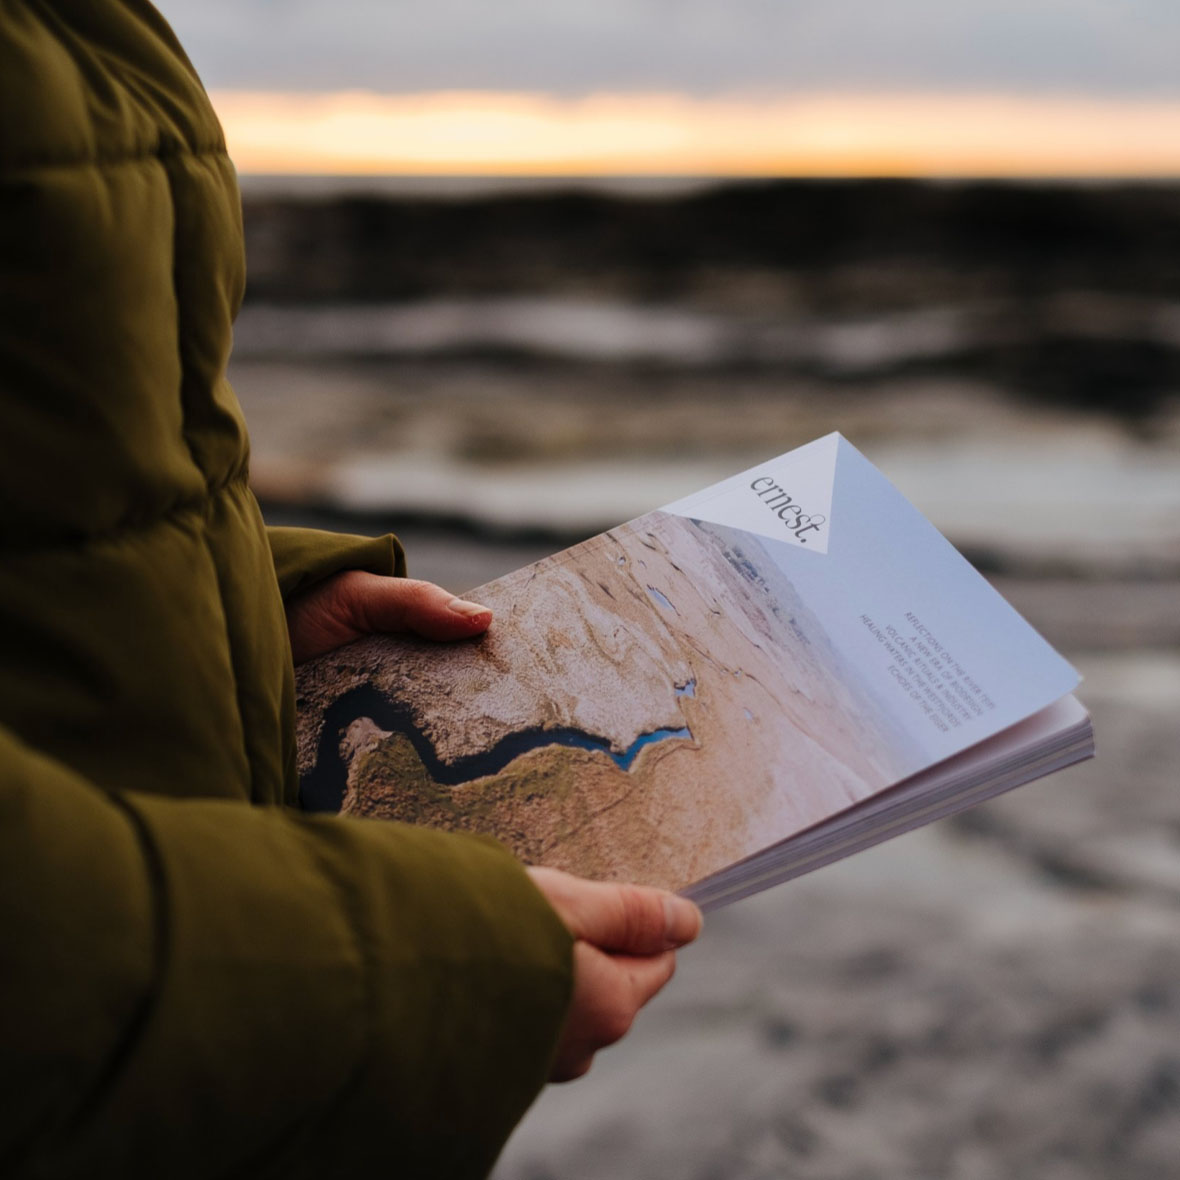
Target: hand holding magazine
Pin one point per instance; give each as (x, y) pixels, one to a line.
(751, 682)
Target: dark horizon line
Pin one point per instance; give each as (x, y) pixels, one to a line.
(636, 183)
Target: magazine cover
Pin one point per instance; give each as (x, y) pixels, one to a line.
(683, 691)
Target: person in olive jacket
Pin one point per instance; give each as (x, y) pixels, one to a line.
(197, 980)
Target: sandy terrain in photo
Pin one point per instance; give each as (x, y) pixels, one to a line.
(652, 705)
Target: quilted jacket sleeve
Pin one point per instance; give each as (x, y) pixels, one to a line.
(304, 557)
(195, 988)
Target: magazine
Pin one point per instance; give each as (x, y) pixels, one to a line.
(751, 682)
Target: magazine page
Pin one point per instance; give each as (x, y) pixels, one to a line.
(680, 692)
(924, 633)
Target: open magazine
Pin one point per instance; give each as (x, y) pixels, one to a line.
(751, 682)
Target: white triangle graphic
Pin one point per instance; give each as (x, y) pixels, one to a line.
(787, 499)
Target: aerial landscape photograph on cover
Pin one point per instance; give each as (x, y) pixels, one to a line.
(671, 707)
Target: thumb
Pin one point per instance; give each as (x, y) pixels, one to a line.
(422, 608)
(629, 919)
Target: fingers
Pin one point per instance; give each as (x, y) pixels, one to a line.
(627, 935)
(630, 919)
(646, 974)
(609, 990)
(405, 604)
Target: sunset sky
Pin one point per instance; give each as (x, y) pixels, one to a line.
(762, 87)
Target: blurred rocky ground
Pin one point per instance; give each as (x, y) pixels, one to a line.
(496, 376)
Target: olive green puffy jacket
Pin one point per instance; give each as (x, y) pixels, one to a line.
(196, 980)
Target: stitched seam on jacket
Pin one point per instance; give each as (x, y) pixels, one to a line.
(197, 505)
(124, 1050)
(231, 648)
(262, 1161)
(207, 501)
(159, 153)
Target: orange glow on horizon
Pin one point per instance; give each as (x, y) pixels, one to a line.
(470, 133)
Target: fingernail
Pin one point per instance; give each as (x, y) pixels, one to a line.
(682, 920)
(469, 610)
